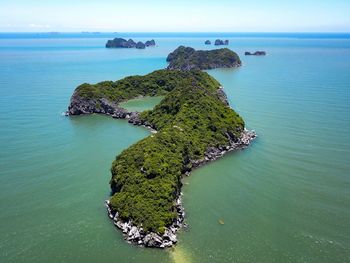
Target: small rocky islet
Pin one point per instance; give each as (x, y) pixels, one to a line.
(218, 42)
(123, 43)
(256, 53)
(191, 126)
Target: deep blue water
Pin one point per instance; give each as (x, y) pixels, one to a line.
(285, 199)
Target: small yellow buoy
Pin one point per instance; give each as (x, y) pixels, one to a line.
(221, 222)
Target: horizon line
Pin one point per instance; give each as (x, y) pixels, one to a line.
(183, 32)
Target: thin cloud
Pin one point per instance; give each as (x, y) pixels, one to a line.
(39, 26)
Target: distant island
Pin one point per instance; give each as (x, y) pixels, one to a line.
(123, 43)
(191, 126)
(187, 58)
(220, 42)
(256, 53)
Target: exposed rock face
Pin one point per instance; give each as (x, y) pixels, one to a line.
(79, 105)
(214, 153)
(136, 235)
(256, 53)
(220, 42)
(150, 43)
(123, 43)
(222, 96)
(140, 45)
(207, 42)
(187, 58)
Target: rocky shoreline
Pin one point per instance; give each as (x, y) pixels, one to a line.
(214, 153)
(137, 236)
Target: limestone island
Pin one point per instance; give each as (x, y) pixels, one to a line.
(187, 58)
(256, 53)
(123, 43)
(191, 126)
(220, 42)
(207, 42)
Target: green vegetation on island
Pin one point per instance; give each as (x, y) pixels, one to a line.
(190, 119)
(192, 125)
(187, 58)
(105, 96)
(146, 176)
(157, 83)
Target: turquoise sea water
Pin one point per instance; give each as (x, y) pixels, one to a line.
(284, 199)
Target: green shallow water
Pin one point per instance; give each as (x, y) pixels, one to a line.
(284, 199)
(141, 104)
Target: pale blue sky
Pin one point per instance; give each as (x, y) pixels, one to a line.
(180, 15)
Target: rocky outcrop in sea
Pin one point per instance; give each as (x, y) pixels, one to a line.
(123, 43)
(136, 235)
(187, 58)
(219, 42)
(120, 43)
(140, 45)
(150, 43)
(256, 53)
(80, 105)
(207, 42)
